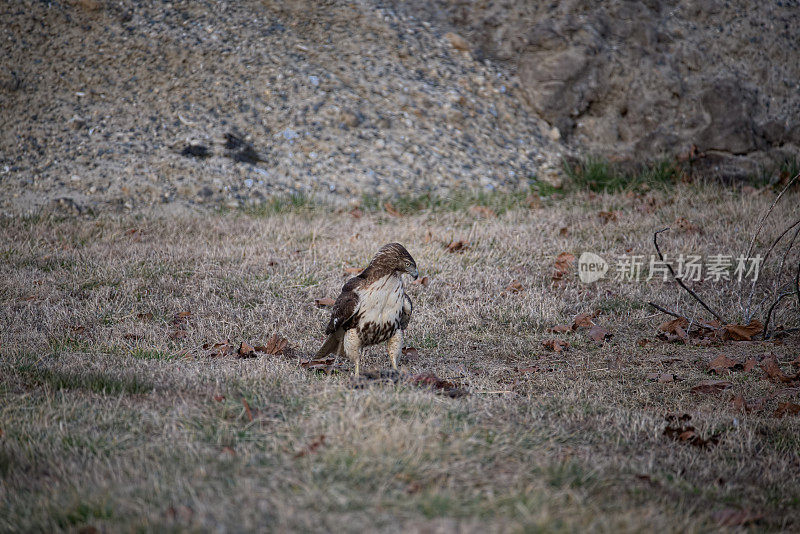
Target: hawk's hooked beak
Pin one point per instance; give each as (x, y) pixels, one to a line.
(413, 272)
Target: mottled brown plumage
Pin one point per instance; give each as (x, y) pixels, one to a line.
(372, 307)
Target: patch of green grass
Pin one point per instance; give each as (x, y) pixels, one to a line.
(616, 305)
(307, 280)
(68, 344)
(569, 474)
(600, 175)
(777, 175)
(87, 380)
(790, 167)
(437, 505)
(497, 201)
(82, 513)
(281, 204)
(153, 354)
(6, 460)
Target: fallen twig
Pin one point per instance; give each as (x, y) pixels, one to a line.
(679, 281)
(679, 316)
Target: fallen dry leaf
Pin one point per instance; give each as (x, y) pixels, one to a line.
(643, 341)
(723, 365)
(556, 345)
(248, 412)
(563, 265)
(563, 231)
(78, 329)
(457, 246)
(178, 334)
(584, 320)
(325, 301)
(441, 385)
(607, 216)
(144, 316)
(219, 350)
(686, 433)
(711, 386)
(749, 364)
(514, 287)
(276, 345)
(219, 398)
(787, 408)
(739, 403)
(391, 210)
(774, 373)
(671, 327)
(181, 318)
(738, 332)
(312, 447)
(246, 350)
(661, 377)
(599, 334)
(482, 211)
(682, 224)
(560, 329)
(356, 213)
(424, 282)
(533, 202)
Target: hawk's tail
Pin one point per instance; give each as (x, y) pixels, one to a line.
(332, 344)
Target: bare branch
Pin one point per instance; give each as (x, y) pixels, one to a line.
(785, 255)
(679, 281)
(767, 214)
(797, 285)
(771, 308)
(747, 314)
(679, 316)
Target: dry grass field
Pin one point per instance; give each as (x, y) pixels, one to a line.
(114, 416)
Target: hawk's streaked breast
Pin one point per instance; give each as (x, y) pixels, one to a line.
(380, 309)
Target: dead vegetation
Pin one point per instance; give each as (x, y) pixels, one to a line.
(155, 374)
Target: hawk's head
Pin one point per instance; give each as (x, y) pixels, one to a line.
(395, 258)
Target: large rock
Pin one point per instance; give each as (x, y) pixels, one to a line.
(639, 80)
(558, 85)
(730, 110)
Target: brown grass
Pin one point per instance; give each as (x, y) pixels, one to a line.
(117, 425)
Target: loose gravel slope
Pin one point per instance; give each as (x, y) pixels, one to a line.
(98, 100)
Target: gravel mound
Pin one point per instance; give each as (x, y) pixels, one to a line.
(121, 105)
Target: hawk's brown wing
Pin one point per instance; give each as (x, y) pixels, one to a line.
(345, 307)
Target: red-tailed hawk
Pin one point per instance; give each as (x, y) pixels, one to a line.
(373, 307)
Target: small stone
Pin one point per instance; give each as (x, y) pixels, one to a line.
(76, 122)
(457, 42)
(350, 119)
